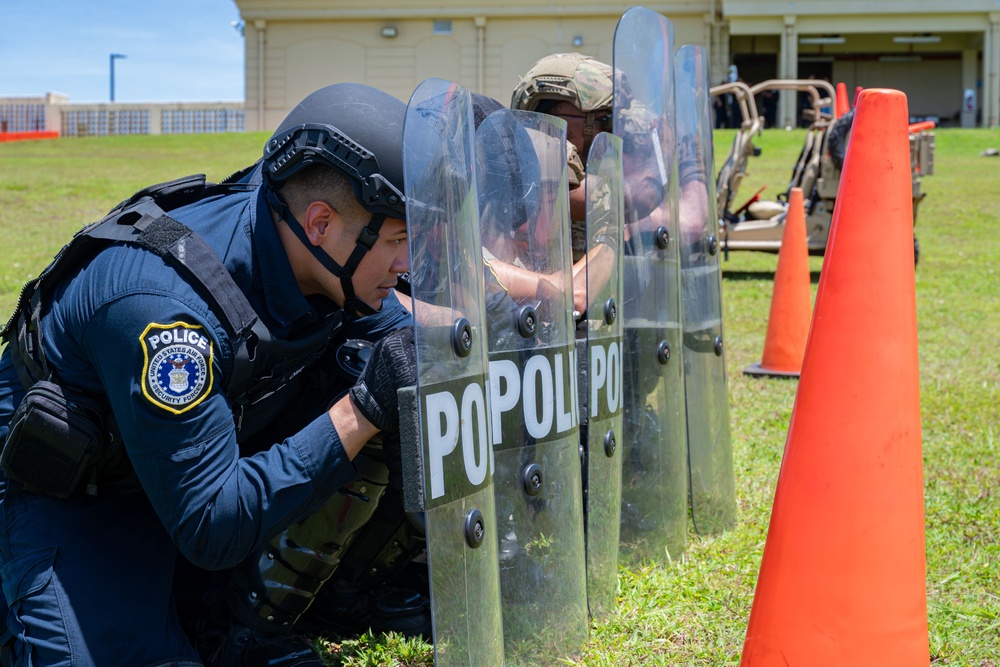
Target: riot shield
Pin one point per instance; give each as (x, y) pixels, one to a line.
(524, 218)
(601, 385)
(654, 474)
(448, 475)
(710, 455)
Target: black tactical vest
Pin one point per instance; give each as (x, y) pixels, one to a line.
(262, 364)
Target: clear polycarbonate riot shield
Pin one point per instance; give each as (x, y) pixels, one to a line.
(601, 385)
(448, 475)
(710, 454)
(654, 473)
(524, 218)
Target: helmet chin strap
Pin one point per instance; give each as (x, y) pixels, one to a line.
(366, 239)
(590, 129)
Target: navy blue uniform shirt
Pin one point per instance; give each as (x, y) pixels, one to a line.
(128, 326)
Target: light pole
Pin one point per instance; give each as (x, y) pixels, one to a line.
(114, 56)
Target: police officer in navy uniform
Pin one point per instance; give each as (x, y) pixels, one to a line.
(169, 401)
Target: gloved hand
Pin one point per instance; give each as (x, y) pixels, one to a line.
(393, 365)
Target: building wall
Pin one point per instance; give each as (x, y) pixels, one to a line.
(934, 75)
(932, 89)
(296, 46)
(305, 44)
(54, 112)
(31, 114)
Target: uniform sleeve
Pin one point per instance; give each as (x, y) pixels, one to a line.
(691, 162)
(159, 362)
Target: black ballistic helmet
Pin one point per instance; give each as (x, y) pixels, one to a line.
(357, 130)
(508, 172)
(353, 128)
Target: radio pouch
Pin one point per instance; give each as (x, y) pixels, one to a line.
(54, 441)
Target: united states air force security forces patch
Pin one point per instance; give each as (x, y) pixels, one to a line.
(177, 365)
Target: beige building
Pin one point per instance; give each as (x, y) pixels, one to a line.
(937, 52)
(54, 112)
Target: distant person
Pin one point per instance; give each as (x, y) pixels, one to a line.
(719, 112)
(837, 138)
(579, 90)
(769, 107)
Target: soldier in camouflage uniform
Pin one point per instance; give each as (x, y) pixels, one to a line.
(580, 90)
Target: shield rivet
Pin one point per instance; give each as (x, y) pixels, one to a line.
(527, 321)
(532, 479)
(609, 444)
(713, 244)
(662, 237)
(461, 337)
(663, 352)
(718, 346)
(610, 311)
(475, 529)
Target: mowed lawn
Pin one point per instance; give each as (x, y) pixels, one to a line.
(692, 610)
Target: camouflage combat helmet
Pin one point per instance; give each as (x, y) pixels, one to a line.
(566, 77)
(585, 83)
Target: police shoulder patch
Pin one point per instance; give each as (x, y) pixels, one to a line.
(177, 365)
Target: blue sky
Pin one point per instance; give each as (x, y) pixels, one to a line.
(176, 50)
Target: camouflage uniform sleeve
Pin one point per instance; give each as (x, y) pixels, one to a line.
(576, 169)
(691, 161)
(600, 209)
(578, 238)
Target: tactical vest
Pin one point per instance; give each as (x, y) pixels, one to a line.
(262, 364)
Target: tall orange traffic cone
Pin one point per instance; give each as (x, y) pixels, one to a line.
(842, 580)
(788, 321)
(857, 94)
(843, 104)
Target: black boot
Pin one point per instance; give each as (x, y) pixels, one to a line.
(239, 646)
(344, 609)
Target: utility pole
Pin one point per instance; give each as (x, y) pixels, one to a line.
(114, 56)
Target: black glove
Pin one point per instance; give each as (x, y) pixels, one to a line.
(393, 365)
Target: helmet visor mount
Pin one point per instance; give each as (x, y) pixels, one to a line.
(305, 145)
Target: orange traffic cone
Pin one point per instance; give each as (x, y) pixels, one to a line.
(843, 104)
(788, 322)
(857, 93)
(842, 580)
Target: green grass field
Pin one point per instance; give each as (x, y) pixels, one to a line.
(693, 610)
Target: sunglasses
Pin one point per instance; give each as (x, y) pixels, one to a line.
(603, 118)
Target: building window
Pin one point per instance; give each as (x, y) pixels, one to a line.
(22, 118)
(81, 123)
(201, 121)
(442, 27)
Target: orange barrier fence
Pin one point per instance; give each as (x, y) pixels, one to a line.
(920, 127)
(23, 136)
